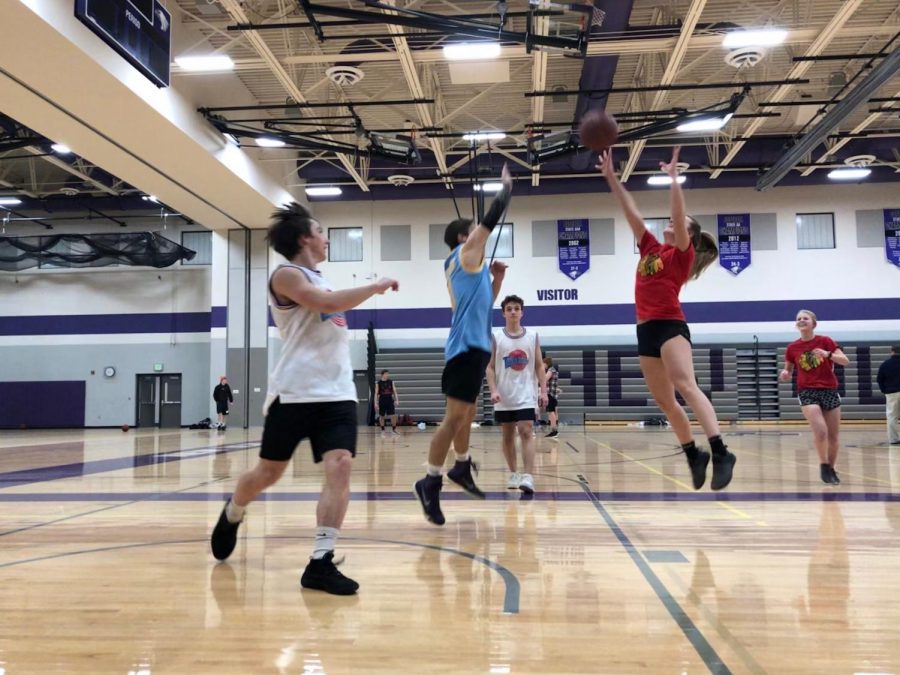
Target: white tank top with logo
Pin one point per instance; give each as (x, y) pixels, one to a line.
(314, 365)
(514, 359)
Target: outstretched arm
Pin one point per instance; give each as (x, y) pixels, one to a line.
(679, 217)
(472, 252)
(632, 215)
(291, 283)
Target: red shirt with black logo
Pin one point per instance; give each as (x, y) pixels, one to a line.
(813, 372)
(661, 273)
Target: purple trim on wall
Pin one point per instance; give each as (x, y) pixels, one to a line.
(858, 309)
(86, 324)
(218, 317)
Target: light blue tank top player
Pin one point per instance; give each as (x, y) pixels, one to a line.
(472, 299)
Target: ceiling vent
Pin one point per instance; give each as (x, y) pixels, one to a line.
(345, 76)
(682, 167)
(69, 191)
(400, 180)
(859, 160)
(744, 57)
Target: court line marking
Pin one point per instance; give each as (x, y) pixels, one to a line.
(701, 645)
(810, 465)
(511, 582)
(735, 511)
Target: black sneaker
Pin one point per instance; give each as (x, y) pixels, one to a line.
(323, 575)
(224, 536)
(825, 473)
(834, 477)
(428, 490)
(553, 434)
(698, 468)
(722, 468)
(461, 474)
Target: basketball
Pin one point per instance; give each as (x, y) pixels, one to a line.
(598, 130)
(125, 427)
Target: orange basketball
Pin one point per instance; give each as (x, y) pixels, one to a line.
(598, 130)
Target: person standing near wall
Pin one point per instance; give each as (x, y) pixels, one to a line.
(311, 393)
(223, 397)
(664, 339)
(468, 350)
(516, 378)
(814, 357)
(552, 375)
(386, 401)
(889, 384)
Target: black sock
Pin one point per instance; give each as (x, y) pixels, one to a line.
(690, 449)
(717, 445)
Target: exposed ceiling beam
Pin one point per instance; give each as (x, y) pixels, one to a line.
(55, 161)
(798, 70)
(23, 191)
(671, 71)
(480, 95)
(236, 9)
(415, 89)
(840, 143)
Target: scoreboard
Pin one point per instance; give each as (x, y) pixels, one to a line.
(140, 30)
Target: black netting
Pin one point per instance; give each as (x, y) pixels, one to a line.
(146, 249)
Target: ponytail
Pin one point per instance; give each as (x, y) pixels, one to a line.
(705, 248)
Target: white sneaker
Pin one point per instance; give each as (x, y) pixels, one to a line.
(515, 479)
(526, 483)
(394, 433)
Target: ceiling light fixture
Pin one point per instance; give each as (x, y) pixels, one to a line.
(705, 124)
(850, 173)
(9, 201)
(323, 191)
(61, 149)
(664, 180)
(472, 51)
(205, 64)
(269, 142)
(477, 136)
(488, 188)
(764, 37)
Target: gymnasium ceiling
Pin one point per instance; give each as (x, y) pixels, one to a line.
(642, 44)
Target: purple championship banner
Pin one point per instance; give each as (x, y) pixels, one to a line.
(734, 241)
(574, 247)
(892, 235)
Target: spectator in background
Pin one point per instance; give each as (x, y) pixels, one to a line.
(223, 397)
(889, 383)
(553, 392)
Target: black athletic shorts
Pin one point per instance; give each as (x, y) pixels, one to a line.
(509, 416)
(386, 405)
(653, 334)
(826, 399)
(328, 426)
(464, 375)
(551, 404)
(221, 408)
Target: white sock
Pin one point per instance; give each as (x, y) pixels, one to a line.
(326, 538)
(463, 458)
(233, 512)
(434, 470)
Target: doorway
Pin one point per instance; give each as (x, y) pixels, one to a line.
(159, 401)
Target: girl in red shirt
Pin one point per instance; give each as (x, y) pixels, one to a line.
(664, 340)
(817, 387)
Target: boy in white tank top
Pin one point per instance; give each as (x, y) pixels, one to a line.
(518, 384)
(311, 393)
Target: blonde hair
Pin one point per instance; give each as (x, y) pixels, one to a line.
(705, 248)
(812, 315)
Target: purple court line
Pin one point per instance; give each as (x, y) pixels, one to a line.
(364, 496)
(75, 469)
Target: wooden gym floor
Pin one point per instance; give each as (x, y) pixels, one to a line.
(615, 566)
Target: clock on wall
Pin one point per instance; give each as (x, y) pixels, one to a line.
(109, 371)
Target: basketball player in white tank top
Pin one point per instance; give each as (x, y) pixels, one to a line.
(311, 393)
(518, 383)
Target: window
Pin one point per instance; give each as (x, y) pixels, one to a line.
(815, 230)
(345, 244)
(656, 227)
(201, 242)
(505, 243)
